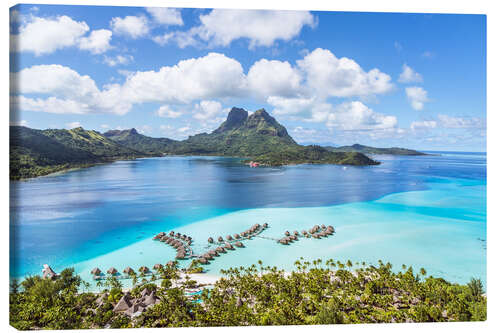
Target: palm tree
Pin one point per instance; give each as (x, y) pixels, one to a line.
(476, 287)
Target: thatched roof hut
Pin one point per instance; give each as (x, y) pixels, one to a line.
(157, 267)
(283, 241)
(210, 240)
(228, 237)
(48, 273)
(239, 244)
(161, 234)
(164, 239)
(323, 226)
(144, 269)
(315, 235)
(180, 255)
(228, 246)
(178, 235)
(189, 242)
(203, 261)
(189, 238)
(243, 234)
(265, 225)
(128, 271)
(304, 232)
(170, 263)
(220, 249)
(156, 237)
(207, 256)
(172, 234)
(287, 233)
(236, 236)
(112, 271)
(95, 271)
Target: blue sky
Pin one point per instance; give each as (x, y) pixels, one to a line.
(381, 79)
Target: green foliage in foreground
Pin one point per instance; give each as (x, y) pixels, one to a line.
(315, 293)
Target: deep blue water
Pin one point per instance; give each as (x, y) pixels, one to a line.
(74, 216)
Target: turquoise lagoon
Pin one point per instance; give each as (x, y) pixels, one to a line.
(426, 211)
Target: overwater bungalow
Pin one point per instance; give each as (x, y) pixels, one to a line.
(220, 239)
(236, 236)
(48, 272)
(304, 232)
(323, 226)
(228, 246)
(112, 271)
(315, 236)
(95, 271)
(239, 244)
(144, 269)
(203, 261)
(265, 225)
(170, 263)
(296, 233)
(128, 271)
(207, 256)
(177, 235)
(283, 241)
(229, 238)
(210, 240)
(180, 255)
(172, 234)
(287, 233)
(220, 249)
(213, 253)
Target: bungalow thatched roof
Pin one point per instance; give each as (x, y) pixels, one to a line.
(203, 261)
(143, 269)
(238, 244)
(47, 272)
(228, 237)
(172, 233)
(228, 246)
(95, 271)
(296, 233)
(157, 266)
(287, 233)
(265, 225)
(128, 271)
(112, 271)
(236, 236)
(220, 239)
(210, 240)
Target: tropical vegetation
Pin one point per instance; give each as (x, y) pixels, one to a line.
(330, 292)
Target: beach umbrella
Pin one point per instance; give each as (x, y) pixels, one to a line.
(95, 271)
(128, 271)
(112, 271)
(210, 240)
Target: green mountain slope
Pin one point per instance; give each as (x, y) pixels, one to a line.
(313, 155)
(372, 150)
(132, 139)
(39, 152)
(240, 135)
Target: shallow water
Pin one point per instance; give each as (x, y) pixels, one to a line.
(425, 211)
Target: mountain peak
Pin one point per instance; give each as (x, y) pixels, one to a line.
(133, 131)
(235, 118)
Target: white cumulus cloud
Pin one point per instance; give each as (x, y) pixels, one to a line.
(97, 42)
(166, 112)
(118, 60)
(131, 26)
(423, 125)
(273, 78)
(408, 75)
(417, 97)
(206, 110)
(46, 35)
(166, 16)
(328, 75)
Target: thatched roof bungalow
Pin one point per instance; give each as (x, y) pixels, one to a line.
(210, 240)
(143, 269)
(228, 237)
(239, 244)
(95, 271)
(112, 271)
(128, 271)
